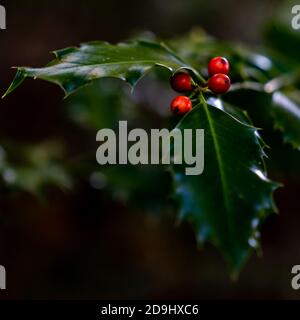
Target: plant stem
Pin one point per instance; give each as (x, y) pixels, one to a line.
(200, 78)
(202, 99)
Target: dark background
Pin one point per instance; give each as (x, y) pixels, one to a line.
(83, 244)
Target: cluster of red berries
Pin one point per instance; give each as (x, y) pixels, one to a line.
(182, 82)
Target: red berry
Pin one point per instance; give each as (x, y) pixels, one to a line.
(181, 82)
(218, 65)
(219, 83)
(181, 105)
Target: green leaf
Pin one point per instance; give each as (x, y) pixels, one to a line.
(276, 110)
(77, 67)
(234, 111)
(228, 202)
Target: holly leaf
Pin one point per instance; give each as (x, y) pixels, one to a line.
(276, 110)
(228, 202)
(234, 111)
(75, 67)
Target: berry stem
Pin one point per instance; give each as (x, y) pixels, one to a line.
(200, 89)
(200, 78)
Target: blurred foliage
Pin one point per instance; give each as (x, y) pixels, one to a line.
(281, 38)
(34, 167)
(102, 106)
(266, 89)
